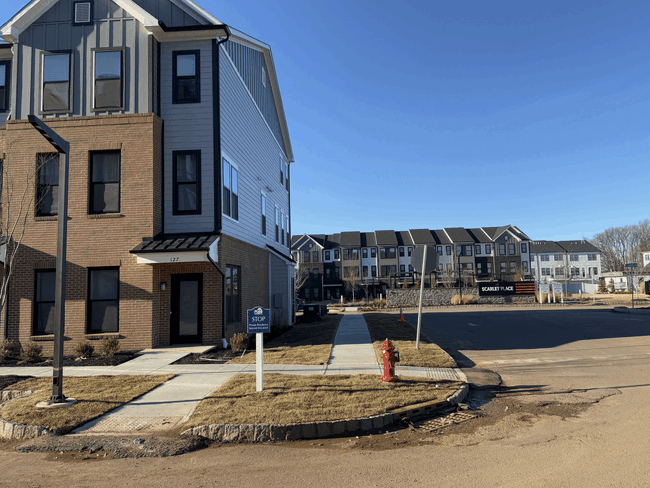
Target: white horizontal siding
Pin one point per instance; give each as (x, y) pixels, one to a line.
(188, 127)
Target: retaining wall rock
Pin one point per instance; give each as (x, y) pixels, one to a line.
(442, 296)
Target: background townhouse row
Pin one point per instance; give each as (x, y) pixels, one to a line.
(382, 259)
(179, 187)
(558, 261)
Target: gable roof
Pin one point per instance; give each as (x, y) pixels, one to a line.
(458, 234)
(578, 246)
(545, 247)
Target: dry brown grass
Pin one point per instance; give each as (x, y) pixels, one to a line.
(292, 398)
(303, 344)
(95, 395)
(387, 326)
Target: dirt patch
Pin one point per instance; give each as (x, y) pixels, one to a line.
(118, 358)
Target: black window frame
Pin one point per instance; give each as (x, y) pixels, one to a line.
(41, 188)
(364, 271)
(5, 100)
(229, 297)
(401, 252)
(231, 198)
(439, 249)
(90, 300)
(122, 105)
(176, 78)
(373, 252)
(327, 256)
(488, 249)
(502, 249)
(36, 303)
(263, 214)
(477, 250)
(512, 249)
(337, 254)
(468, 250)
(91, 184)
(524, 248)
(277, 224)
(373, 271)
(176, 184)
(448, 250)
(314, 257)
(69, 108)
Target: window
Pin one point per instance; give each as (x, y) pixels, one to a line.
(533, 272)
(524, 248)
(47, 190)
(468, 250)
(186, 87)
(511, 249)
(109, 79)
(103, 301)
(489, 268)
(439, 250)
(231, 194)
(409, 251)
(559, 272)
(314, 255)
(448, 250)
(56, 83)
(346, 254)
(546, 272)
(524, 266)
(594, 271)
(488, 249)
(281, 171)
(479, 268)
(83, 13)
(382, 253)
(503, 266)
(573, 257)
(315, 272)
(43, 315)
(373, 271)
(282, 233)
(591, 257)
(306, 293)
(355, 253)
(233, 299)
(316, 294)
(327, 255)
(104, 182)
(373, 252)
(477, 250)
(391, 253)
(470, 266)
(337, 254)
(544, 257)
(307, 256)
(401, 252)
(286, 176)
(327, 273)
(263, 210)
(187, 182)
(513, 267)
(5, 67)
(459, 250)
(288, 232)
(557, 257)
(402, 268)
(410, 268)
(502, 249)
(263, 77)
(351, 271)
(364, 252)
(365, 271)
(337, 272)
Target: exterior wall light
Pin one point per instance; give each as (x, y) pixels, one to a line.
(163, 285)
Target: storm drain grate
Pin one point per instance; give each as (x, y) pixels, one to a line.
(432, 425)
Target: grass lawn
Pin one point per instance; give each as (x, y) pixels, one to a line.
(293, 398)
(384, 326)
(95, 395)
(303, 344)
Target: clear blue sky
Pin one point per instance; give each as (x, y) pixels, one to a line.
(439, 114)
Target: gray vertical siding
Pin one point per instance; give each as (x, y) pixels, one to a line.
(280, 286)
(167, 12)
(189, 126)
(249, 144)
(111, 27)
(249, 63)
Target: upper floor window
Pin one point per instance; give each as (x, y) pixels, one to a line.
(187, 182)
(286, 176)
(573, 257)
(277, 225)
(401, 252)
(315, 256)
(502, 249)
(409, 251)
(109, 78)
(439, 249)
(336, 254)
(4, 85)
(524, 248)
(477, 249)
(282, 233)
(544, 257)
(511, 249)
(263, 215)
(47, 189)
(364, 252)
(448, 250)
(488, 249)
(307, 255)
(186, 86)
(231, 193)
(104, 182)
(459, 250)
(373, 252)
(557, 257)
(468, 250)
(281, 171)
(56, 83)
(591, 257)
(327, 255)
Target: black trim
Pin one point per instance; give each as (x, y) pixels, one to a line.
(279, 253)
(35, 302)
(175, 183)
(89, 300)
(74, 5)
(185, 28)
(4, 104)
(5, 45)
(216, 131)
(40, 188)
(174, 332)
(122, 51)
(197, 76)
(91, 193)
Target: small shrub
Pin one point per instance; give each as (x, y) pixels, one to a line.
(109, 346)
(32, 352)
(239, 342)
(84, 349)
(9, 349)
(610, 286)
(468, 299)
(544, 298)
(455, 300)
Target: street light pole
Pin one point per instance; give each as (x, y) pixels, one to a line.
(63, 148)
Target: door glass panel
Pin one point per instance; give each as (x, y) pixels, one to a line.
(188, 310)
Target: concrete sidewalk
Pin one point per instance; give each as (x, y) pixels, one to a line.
(173, 402)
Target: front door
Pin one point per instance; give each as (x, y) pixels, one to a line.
(186, 319)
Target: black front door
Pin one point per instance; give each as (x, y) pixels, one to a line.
(186, 319)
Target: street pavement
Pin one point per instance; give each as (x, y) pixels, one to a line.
(172, 403)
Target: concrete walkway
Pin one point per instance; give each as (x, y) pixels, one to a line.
(173, 402)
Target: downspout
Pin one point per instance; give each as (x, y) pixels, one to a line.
(223, 289)
(216, 127)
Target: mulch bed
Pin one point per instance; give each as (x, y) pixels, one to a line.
(119, 358)
(220, 356)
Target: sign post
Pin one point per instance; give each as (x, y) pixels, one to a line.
(428, 266)
(631, 266)
(259, 322)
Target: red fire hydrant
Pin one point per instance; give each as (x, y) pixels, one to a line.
(390, 358)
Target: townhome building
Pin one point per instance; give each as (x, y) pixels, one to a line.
(382, 259)
(563, 260)
(179, 173)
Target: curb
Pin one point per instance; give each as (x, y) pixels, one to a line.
(254, 433)
(631, 310)
(11, 430)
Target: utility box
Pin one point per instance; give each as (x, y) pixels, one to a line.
(311, 312)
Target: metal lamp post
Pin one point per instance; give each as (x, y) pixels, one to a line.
(63, 148)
